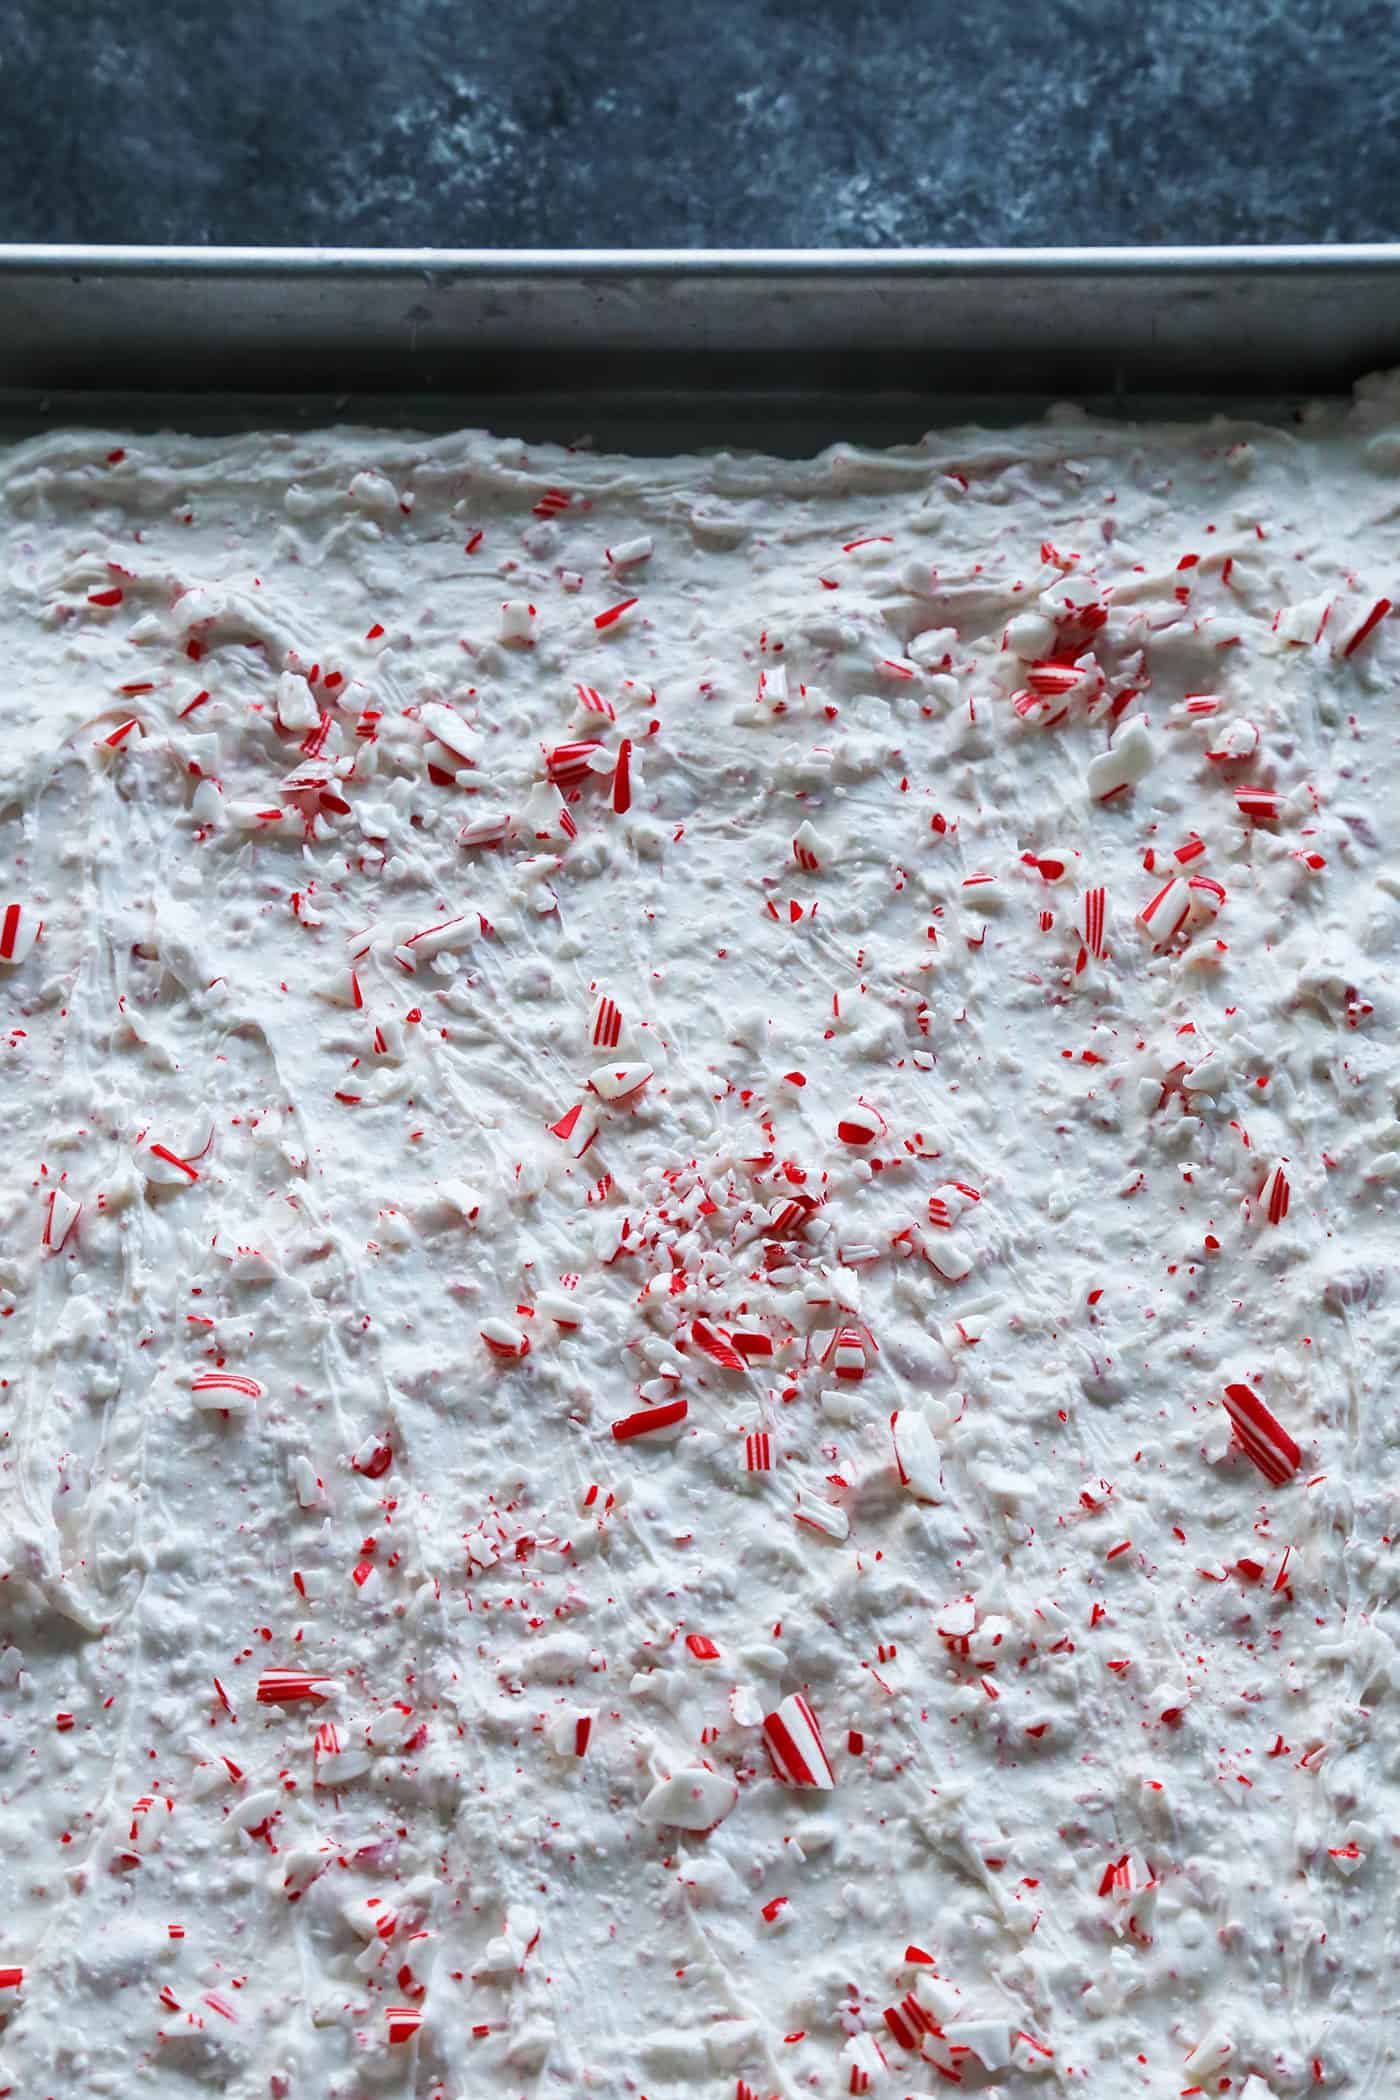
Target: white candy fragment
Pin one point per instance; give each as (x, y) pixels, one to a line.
(566, 1309)
(1234, 741)
(989, 2040)
(390, 1729)
(1214, 2049)
(1130, 756)
(1208, 1076)
(916, 1455)
(207, 804)
(616, 1083)
(255, 1808)
(943, 1253)
(374, 492)
(336, 1758)
(695, 1799)
(956, 1620)
(627, 552)
(296, 703)
(448, 727)
(266, 818)
(309, 1491)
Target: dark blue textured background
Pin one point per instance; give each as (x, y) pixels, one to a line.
(737, 123)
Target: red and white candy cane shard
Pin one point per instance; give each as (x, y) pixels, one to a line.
(595, 703)
(618, 1083)
(19, 930)
(650, 1420)
(504, 1340)
(1035, 707)
(622, 778)
(845, 1353)
(491, 828)
(373, 1458)
(1206, 896)
(605, 1023)
(807, 849)
(125, 732)
(287, 1687)
(446, 725)
(628, 552)
(568, 764)
(1051, 863)
(1126, 1877)
(1234, 742)
(1164, 914)
(568, 1734)
(716, 1346)
(795, 1745)
(11, 1978)
(867, 2062)
(1052, 676)
(611, 614)
(404, 2022)
(224, 1389)
(1366, 625)
(825, 1517)
(577, 1127)
(751, 1342)
(1261, 1435)
(859, 1124)
(518, 620)
(61, 1214)
(773, 687)
(702, 1647)
(169, 1169)
(1273, 1197)
(316, 739)
(792, 1215)
(909, 2022)
(1260, 805)
(758, 1452)
(1093, 920)
(446, 938)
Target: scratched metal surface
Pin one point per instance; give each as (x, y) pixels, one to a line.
(654, 351)
(575, 123)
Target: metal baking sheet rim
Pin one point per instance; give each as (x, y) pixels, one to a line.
(740, 336)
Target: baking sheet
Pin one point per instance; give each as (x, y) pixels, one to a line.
(649, 350)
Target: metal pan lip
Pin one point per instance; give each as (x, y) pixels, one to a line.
(49, 258)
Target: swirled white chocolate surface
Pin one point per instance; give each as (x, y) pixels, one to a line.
(698, 1267)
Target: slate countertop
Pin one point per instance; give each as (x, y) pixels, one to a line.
(744, 123)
